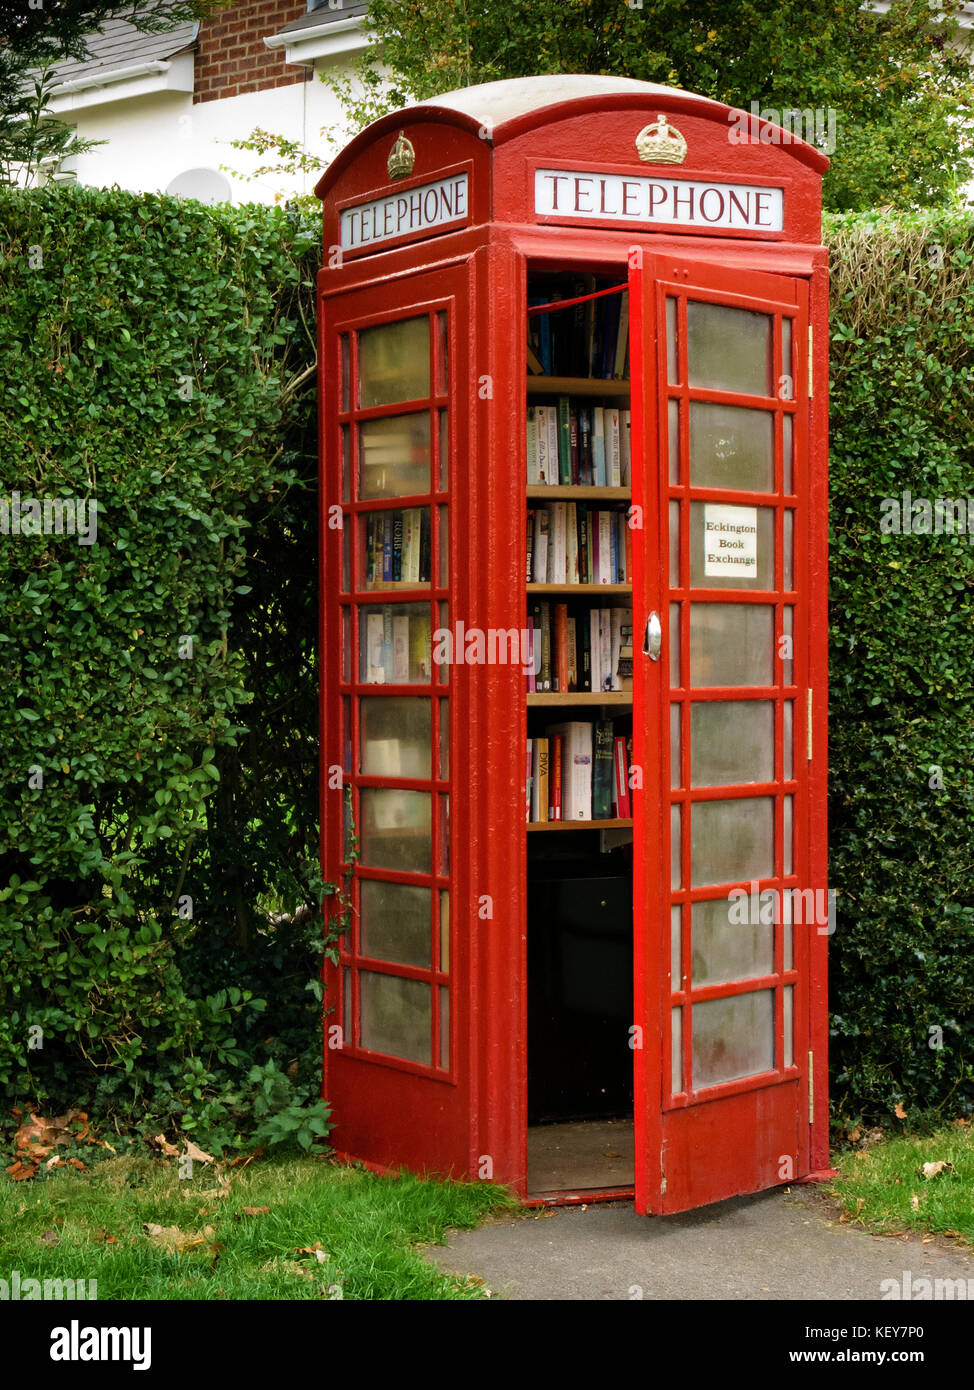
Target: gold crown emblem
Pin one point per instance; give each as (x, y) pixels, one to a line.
(661, 143)
(402, 157)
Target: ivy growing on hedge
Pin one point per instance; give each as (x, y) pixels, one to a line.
(157, 357)
(157, 688)
(902, 667)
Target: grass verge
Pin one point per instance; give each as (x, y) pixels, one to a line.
(884, 1187)
(298, 1229)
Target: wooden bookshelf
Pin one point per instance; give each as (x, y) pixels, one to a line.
(577, 492)
(578, 589)
(576, 386)
(579, 824)
(579, 697)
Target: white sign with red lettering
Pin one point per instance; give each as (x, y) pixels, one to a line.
(652, 199)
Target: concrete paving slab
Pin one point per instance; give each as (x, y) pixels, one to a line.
(780, 1245)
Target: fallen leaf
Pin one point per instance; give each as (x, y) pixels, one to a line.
(320, 1255)
(951, 1233)
(899, 1112)
(171, 1238)
(914, 1201)
(50, 1238)
(254, 1211)
(933, 1170)
(77, 1163)
(163, 1143)
(855, 1135)
(103, 1237)
(53, 1162)
(20, 1172)
(243, 1160)
(197, 1155)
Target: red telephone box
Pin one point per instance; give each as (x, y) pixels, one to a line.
(573, 638)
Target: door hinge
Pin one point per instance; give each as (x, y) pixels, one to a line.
(811, 1088)
(809, 729)
(811, 362)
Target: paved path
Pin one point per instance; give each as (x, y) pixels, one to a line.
(777, 1245)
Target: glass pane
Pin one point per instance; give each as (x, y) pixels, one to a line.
(731, 742)
(444, 451)
(346, 463)
(442, 667)
(395, 548)
(395, 644)
(676, 1058)
(444, 835)
(346, 734)
(733, 1037)
(731, 841)
(788, 649)
(789, 1012)
(676, 766)
(395, 923)
(349, 844)
(786, 377)
(443, 578)
(346, 1005)
(445, 932)
(346, 644)
(346, 554)
(672, 356)
(731, 547)
(731, 644)
(394, 456)
(674, 646)
(396, 829)
(789, 446)
(676, 940)
(676, 868)
(731, 447)
(729, 349)
(673, 430)
(725, 949)
(789, 856)
(789, 550)
(789, 739)
(442, 354)
(788, 929)
(394, 1016)
(396, 737)
(394, 362)
(346, 370)
(444, 739)
(674, 543)
(444, 994)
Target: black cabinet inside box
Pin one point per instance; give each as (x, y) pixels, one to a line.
(580, 997)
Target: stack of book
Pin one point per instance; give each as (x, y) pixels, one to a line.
(578, 771)
(572, 543)
(590, 339)
(397, 547)
(397, 649)
(576, 444)
(579, 648)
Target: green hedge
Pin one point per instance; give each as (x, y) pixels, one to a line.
(902, 668)
(156, 356)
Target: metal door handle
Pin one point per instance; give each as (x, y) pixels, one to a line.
(653, 640)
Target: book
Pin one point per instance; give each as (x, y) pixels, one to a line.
(542, 525)
(558, 544)
(560, 642)
(602, 770)
(400, 649)
(576, 772)
(598, 446)
(533, 473)
(622, 338)
(622, 805)
(555, 752)
(613, 448)
(564, 441)
(539, 796)
(528, 779)
(625, 447)
(621, 657)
